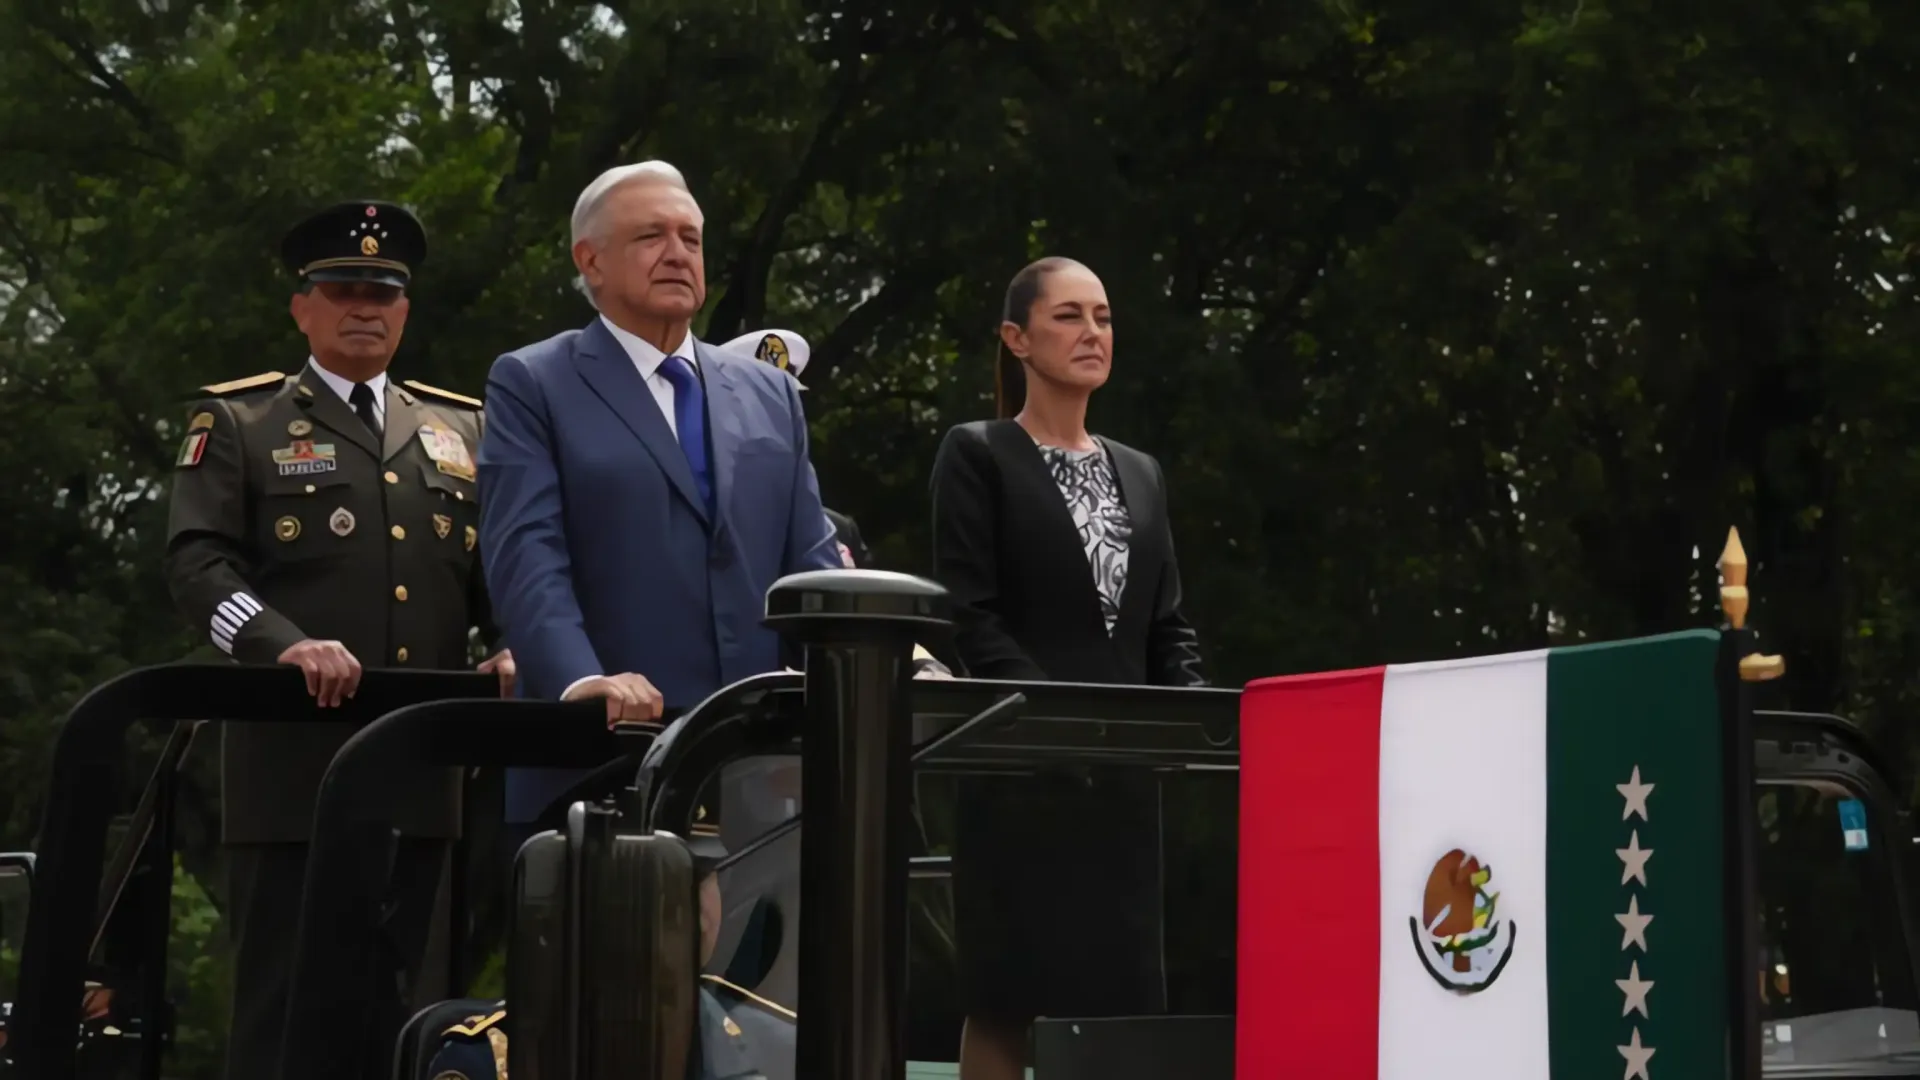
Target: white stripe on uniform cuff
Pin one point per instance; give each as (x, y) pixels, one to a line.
(229, 616)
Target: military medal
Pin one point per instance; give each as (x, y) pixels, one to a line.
(471, 536)
(442, 525)
(298, 428)
(304, 457)
(341, 522)
(288, 528)
(200, 422)
(448, 451)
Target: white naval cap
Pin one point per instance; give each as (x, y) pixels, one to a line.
(783, 349)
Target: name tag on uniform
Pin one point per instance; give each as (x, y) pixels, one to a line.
(448, 451)
(304, 458)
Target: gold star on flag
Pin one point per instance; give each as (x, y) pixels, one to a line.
(1636, 1056)
(1636, 794)
(1633, 925)
(1636, 989)
(1634, 857)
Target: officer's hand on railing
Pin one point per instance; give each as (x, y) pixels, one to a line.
(332, 673)
(629, 697)
(501, 664)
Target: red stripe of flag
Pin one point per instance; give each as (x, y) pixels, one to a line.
(1309, 933)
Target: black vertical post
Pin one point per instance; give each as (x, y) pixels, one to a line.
(858, 629)
(1741, 862)
(156, 1025)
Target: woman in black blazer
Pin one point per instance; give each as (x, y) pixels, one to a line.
(1056, 548)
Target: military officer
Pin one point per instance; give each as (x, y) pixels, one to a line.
(327, 520)
(736, 1026)
(790, 352)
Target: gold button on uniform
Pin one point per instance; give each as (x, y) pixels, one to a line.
(399, 533)
(401, 654)
(393, 478)
(400, 593)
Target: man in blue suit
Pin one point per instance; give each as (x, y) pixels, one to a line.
(641, 490)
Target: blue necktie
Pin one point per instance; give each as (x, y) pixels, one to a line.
(690, 421)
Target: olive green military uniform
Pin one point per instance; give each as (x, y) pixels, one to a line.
(291, 520)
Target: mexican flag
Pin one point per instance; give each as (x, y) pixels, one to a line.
(1502, 868)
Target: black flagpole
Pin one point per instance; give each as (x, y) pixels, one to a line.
(1740, 665)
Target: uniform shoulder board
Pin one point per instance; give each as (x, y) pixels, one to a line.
(745, 994)
(443, 395)
(251, 382)
(475, 1025)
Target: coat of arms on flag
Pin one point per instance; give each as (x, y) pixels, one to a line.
(1458, 933)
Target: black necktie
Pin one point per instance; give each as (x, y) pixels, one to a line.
(362, 401)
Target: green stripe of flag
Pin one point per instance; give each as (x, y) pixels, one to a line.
(1649, 705)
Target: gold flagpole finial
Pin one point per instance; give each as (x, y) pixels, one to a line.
(1733, 581)
(1734, 601)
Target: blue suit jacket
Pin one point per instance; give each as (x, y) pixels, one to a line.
(599, 554)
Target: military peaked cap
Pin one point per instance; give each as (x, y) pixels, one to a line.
(783, 349)
(356, 241)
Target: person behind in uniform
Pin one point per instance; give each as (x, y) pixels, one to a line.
(328, 520)
(1056, 548)
(735, 1027)
(788, 351)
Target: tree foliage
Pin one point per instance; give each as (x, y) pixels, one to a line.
(1457, 327)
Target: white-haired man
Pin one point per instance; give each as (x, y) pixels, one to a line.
(640, 489)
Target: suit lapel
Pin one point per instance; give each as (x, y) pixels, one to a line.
(611, 374)
(1137, 489)
(1142, 499)
(404, 417)
(1024, 454)
(325, 408)
(724, 429)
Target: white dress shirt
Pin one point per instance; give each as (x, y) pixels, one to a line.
(647, 360)
(344, 387)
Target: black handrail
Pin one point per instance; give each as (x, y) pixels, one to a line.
(89, 756)
(333, 971)
(146, 814)
(1057, 723)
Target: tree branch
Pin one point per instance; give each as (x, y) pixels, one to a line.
(745, 302)
(898, 295)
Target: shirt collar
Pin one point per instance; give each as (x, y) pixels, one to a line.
(644, 355)
(344, 387)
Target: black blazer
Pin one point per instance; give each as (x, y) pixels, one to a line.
(1025, 604)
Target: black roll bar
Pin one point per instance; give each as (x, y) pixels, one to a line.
(858, 628)
(959, 725)
(89, 758)
(333, 976)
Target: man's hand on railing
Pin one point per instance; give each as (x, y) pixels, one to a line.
(630, 697)
(332, 672)
(501, 664)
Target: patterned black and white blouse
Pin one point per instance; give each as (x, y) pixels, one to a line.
(1087, 481)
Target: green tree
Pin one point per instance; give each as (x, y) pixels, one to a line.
(1457, 328)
